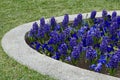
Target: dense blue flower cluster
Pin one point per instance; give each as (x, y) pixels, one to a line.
(114, 60)
(95, 40)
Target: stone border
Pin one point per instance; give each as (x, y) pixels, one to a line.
(15, 46)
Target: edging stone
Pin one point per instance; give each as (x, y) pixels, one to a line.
(15, 46)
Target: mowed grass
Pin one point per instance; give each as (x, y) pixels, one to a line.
(17, 12)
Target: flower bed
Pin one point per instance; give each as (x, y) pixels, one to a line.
(91, 43)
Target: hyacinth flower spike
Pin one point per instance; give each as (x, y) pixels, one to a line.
(35, 27)
(118, 20)
(91, 54)
(104, 13)
(113, 62)
(75, 23)
(42, 22)
(40, 34)
(73, 42)
(34, 30)
(114, 14)
(63, 49)
(65, 21)
(93, 14)
(79, 18)
(53, 23)
(75, 55)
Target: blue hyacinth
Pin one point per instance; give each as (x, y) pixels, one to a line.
(57, 27)
(79, 18)
(95, 32)
(40, 33)
(34, 30)
(54, 38)
(42, 22)
(104, 44)
(73, 42)
(114, 14)
(93, 14)
(102, 59)
(75, 54)
(67, 31)
(46, 28)
(89, 40)
(53, 22)
(104, 13)
(81, 31)
(80, 46)
(38, 46)
(31, 33)
(54, 33)
(113, 28)
(75, 22)
(74, 35)
(110, 48)
(62, 36)
(35, 27)
(109, 18)
(118, 20)
(113, 63)
(63, 48)
(65, 21)
(118, 54)
(91, 53)
(84, 40)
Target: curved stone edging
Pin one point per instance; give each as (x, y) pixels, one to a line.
(15, 46)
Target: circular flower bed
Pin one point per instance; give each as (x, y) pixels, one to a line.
(91, 43)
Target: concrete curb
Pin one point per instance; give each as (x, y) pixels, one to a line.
(15, 46)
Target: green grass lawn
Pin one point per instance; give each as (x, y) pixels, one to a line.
(17, 12)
